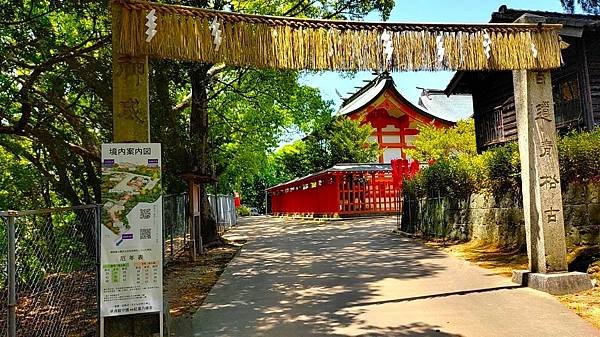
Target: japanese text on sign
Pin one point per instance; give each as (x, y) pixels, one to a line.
(131, 251)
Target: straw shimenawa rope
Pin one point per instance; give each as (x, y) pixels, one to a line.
(279, 42)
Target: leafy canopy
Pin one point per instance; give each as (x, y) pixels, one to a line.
(56, 98)
(343, 141)
(439, 143)
(589, 6)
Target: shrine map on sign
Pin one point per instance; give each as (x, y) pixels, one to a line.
(124, 186)
(131, 231)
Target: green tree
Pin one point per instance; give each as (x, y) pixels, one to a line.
(343, 140)
(56, 98)
(303, 157)
(590, 6)
(20, 185)
(348, 142)
(53, 102)
(439, 143)
(252, 189)
(206, 79)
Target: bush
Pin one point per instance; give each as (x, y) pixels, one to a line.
(444, 178)
(579, 155)
(503, 169)
(498, 169)
(243, 211)
(440, 143)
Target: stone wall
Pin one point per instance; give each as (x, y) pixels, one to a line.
(498, 219)
(488, 219)
(582, 214)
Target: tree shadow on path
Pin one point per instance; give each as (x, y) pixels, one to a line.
(297, 279)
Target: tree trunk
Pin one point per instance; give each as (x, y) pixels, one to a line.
(164, 126)
(200, 150)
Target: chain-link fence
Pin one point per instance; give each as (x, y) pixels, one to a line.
(55, 272)
(175, 225)
(3, 275)
(223, 208)
(426, 216)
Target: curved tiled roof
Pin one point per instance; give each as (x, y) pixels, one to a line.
(369, 93)
(357, 102)
(508, 15)
(452, 108)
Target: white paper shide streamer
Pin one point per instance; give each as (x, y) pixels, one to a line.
(216, 33)
(441, 51)
(487, 45)
(534, 50)
(388, 47)
(151, 24)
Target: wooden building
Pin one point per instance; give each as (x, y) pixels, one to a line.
(394, 118)
(576, 85)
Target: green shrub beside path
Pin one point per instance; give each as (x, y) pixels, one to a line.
(459, 171)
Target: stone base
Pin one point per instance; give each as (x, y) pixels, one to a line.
(554, 283)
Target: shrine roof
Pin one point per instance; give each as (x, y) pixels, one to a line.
(568, 20)
(356, 167)
(370, 92)
(365, 95)
(343, 167)
(452, 108)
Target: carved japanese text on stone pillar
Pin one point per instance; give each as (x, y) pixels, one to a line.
(547, 186)
(130, 104)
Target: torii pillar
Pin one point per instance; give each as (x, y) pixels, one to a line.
(540, 178)
(131, 124)
(542, 197)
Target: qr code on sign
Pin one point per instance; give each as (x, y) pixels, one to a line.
(145, 233)
(145, 213)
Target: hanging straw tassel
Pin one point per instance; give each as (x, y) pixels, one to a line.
(261, 41)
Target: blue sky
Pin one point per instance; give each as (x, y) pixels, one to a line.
(454, 11)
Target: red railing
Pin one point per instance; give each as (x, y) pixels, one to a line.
(367, 193)
(337, 193)
(315, 196)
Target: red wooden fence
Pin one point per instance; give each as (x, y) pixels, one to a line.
(344, 190)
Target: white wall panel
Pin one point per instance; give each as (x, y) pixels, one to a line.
(391, 139)
(389, 154)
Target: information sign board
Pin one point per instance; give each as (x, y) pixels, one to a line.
(131, 232)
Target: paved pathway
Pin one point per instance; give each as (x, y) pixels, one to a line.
(354, 278)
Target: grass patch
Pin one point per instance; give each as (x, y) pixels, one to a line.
(501, 261)
(586, 304)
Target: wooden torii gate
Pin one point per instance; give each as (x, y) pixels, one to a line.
(530, 50)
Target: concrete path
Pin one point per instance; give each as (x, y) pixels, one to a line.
(354, 278)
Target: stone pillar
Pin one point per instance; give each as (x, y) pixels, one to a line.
(542, 198)
(131, 124)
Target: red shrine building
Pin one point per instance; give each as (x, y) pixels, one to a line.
(360, 189)
(342, 190)
(395, 119)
